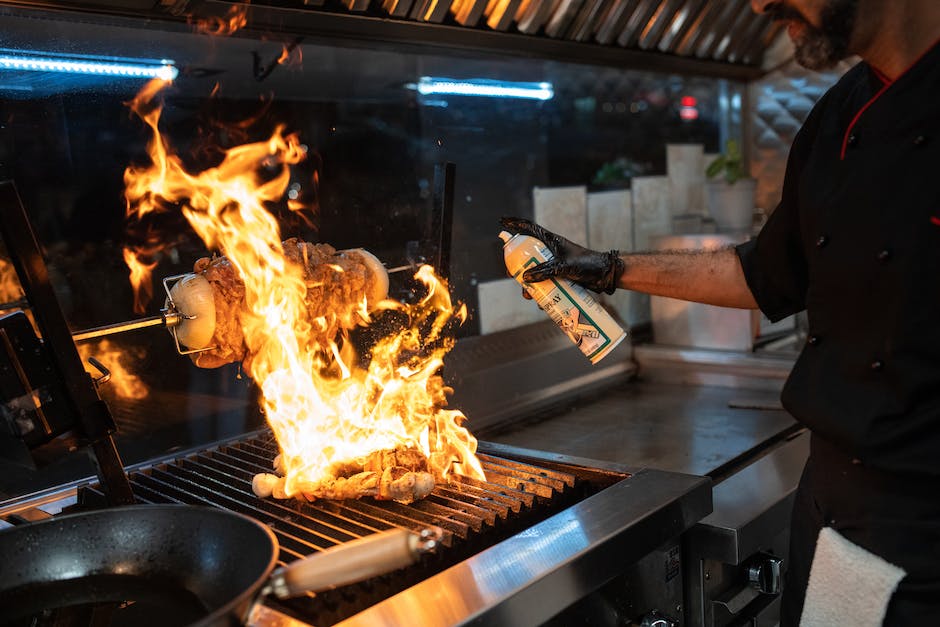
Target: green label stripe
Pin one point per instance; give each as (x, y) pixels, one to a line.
(531, 262)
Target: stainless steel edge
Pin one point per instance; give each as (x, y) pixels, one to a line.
(538, 457)
(63, 495)
(752, 505)
(530, 577)
(59, 497)
(697, 366)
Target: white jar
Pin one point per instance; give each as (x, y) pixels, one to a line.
(574, 310)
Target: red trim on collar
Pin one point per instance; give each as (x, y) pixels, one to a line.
(848, 130)
(886, 83)
(880, 75)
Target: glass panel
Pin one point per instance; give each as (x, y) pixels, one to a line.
(373, 138)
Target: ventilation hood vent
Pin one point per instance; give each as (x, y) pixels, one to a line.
(694, 36)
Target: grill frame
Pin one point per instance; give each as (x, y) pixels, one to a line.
(526, 578)
(530, 577)
(473, 515)
(535, 568)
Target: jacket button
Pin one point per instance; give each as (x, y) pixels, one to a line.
(920, 140)
(813, 340)
(877, 365)
(821, 241)
(853, 139)
(884, 255)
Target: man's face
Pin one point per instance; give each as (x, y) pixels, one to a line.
(821, 30)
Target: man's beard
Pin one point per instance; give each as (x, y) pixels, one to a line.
(821, 48)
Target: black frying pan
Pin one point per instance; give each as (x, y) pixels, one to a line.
(170, 565)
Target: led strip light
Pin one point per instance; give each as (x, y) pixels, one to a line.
(35, 63)
(480, 87)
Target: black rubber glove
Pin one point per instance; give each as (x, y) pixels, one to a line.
(597, 271)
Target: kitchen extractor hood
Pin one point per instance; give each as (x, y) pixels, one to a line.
(687, 36)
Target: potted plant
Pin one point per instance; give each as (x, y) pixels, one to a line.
(729, 191)
(617, 174)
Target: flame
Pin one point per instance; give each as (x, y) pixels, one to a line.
(10, 289)
(291, 55)
(324, 408)
(123, 382)
(140, 277)
(234, 20)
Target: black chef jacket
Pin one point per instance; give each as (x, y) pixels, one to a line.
(856, 242)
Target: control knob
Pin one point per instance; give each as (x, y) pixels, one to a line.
(763, 574)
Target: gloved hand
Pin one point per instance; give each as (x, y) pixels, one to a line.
(597, 271)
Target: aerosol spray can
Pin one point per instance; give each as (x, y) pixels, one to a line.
(571, 306)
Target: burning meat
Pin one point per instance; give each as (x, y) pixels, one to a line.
(332, 279)
(389, 475)
(344, 428)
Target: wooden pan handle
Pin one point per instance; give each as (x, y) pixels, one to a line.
(353, 561)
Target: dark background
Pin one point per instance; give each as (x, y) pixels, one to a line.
(373, 143)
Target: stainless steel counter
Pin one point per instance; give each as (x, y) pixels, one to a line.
(698, 430)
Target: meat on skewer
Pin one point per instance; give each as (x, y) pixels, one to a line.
(389, 475)
(337, 283)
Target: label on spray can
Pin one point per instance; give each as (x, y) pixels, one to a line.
(569, 305)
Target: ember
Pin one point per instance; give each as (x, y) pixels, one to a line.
(344, 430)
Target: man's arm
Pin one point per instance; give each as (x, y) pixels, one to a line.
(713, 277)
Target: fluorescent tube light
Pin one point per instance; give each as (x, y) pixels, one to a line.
(79, 65)
(487, 88)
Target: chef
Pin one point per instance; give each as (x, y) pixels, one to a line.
(855, 241)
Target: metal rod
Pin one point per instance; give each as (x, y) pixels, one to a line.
(16, 304)
(120, 327)
(401, 268)
(442, 216)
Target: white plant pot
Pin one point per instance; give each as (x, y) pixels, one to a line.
(731, 206)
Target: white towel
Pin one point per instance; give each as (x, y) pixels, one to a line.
(847, 584)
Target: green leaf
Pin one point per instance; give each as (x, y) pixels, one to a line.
(730, 164)
(715, 167)
(735, 172)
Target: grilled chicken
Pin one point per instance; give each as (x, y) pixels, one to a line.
(389, 475)
(337, 282)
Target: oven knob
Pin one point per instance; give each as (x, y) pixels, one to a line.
(658, 619)
(763, 574)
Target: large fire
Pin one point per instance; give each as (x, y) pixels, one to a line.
(326, 410)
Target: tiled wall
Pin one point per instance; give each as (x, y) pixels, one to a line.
(780, 102)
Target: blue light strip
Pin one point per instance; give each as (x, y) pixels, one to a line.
(480, 87)
(163, 69)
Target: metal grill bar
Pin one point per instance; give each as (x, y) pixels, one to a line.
(473, 514)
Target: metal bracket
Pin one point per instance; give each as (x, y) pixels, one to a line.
(83, 411)
(171, 308)
(100, 367)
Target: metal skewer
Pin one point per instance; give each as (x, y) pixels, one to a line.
(401, 268)
(168, 318)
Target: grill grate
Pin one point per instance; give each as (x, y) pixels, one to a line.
(473, 514)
